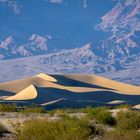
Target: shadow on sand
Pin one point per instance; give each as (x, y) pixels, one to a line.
(62, 80)
(75, 100)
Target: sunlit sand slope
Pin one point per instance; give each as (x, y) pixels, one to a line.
(74, 90)
(18, 85)
(26, 94)
(46, 77)
(104, 82)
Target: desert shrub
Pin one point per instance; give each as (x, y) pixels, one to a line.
(51, 112)
(8, 108)
(66, 129)
(33, 109)
(2, 130)
(121, 135)
(123, 106)
(129, 120)
(102, 115)
(60, 112)
(106, 118)
(95, 109)
(64, 111)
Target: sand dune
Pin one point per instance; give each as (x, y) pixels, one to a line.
(63, 90)
(46, 77)
(26, 94)
(18, 85)
(104, 82)
(117, 102)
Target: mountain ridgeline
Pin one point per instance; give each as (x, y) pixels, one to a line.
(118, 53)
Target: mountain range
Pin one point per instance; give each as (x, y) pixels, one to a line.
(110, 47)
(36, 45)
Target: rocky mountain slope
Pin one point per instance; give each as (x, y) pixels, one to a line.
(124, 23)
(118, 53)
(35, 45)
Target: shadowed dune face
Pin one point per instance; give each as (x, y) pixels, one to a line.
(66, 81)
(4, 94)
(55, 91)
(51, 94)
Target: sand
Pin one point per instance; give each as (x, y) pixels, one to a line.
(76, 89)
(104, 82)
(26, 94)
(46, 77)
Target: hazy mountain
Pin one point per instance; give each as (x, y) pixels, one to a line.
(79, 60)
(36, 44)
(124, 23)
(86, 38)
(123, 18)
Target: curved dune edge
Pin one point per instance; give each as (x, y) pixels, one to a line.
(3, 97)
(46, 77)
(104, 82)
(26, 94)
(65, 99)
(88, 89)
(48, 84)
(19, 85)
(43, 80)
(114, 102)
(117, 102)
(53, 102)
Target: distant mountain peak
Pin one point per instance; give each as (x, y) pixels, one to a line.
(5, 43)
(124, 15)
(39, 41)
(13, 4)
(86, 46)
(10, 49)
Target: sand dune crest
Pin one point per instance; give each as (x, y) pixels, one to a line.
(74, 89)
(46, 77)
